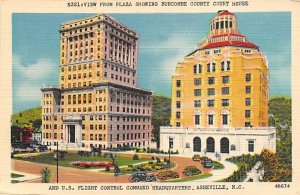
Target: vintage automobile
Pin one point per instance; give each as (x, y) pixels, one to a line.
(203, 159)
(208, 164)
(196, 157)
(191, 170)
(142, 176)
(163, 175)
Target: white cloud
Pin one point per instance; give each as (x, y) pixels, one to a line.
(28, 79)
(39, 70)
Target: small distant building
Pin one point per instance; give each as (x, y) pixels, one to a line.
(220, 96)
(37, 137)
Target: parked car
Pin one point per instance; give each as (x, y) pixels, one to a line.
(203, 159)
(43, 148)
(208, 164)
(142, 176)
(196, 157)
(191, 170)
(163, 175)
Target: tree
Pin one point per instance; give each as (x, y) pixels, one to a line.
(161, 115)
(280, 111)
(36, 124)
(46, 175)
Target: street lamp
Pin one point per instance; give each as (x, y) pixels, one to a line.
(57, 161)
(170, 147)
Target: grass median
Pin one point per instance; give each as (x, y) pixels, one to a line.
(48, 158)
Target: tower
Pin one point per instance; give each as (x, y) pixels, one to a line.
(223, 83)
(220, 95)
(98, 103)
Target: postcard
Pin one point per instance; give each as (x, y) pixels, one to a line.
(149, 97)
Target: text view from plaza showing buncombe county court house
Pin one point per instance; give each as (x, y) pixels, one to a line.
(99, 125)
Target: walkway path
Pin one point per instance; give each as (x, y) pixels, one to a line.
(26, 176)
(220, 174)
(255, 173)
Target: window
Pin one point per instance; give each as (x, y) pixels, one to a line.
(197, 81)
(178, 105)
(211, 103)
(171, 142)
(211, 91)
(211, 80)
(197, 103)
(225, 102)
(247, 124)
(178, 115)
(225, 65)
(197, 119)
(248, 77)
(225, 90)
(178, 93)
(248, 89)
(247, 113)
(197, 92)
(197, 68)
(250, 145)
(210, 119)
(248, 101)
(211, 67)
(177, 124)
(225, 119)
(225, 79)
(178, 83)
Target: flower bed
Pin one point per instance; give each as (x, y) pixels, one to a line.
(88, 164)
(26, 155)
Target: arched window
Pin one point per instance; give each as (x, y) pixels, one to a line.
(197, 144)
(197, 68)
(225, 65)
(210, 144)
(211, 67)
(224, 145)
(225, 117)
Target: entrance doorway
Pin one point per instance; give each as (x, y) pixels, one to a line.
(71, 132)
(197, 144)
(210, 144)
(224, 145)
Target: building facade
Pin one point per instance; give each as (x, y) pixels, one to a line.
(220, 95)
(98, 103)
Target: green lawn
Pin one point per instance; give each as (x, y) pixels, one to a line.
(217, 165)
(201, 176)
(48, 158)
(14, 175)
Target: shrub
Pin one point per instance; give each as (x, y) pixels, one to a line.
(158, 160)
(46, 175)
(135, 157)
(107, 169)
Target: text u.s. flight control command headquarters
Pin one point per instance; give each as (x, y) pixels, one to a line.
(147, 187)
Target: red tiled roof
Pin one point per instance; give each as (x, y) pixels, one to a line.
(230, 43)
(225, 13)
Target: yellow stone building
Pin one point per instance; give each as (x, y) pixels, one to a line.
(98, 103)
(224, 82)
(222, 85)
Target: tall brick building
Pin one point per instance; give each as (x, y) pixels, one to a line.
(97, 103)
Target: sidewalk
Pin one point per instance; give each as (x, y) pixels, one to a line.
(221, 173)
(26, 177)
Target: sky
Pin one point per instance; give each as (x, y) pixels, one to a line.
(164, 40)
